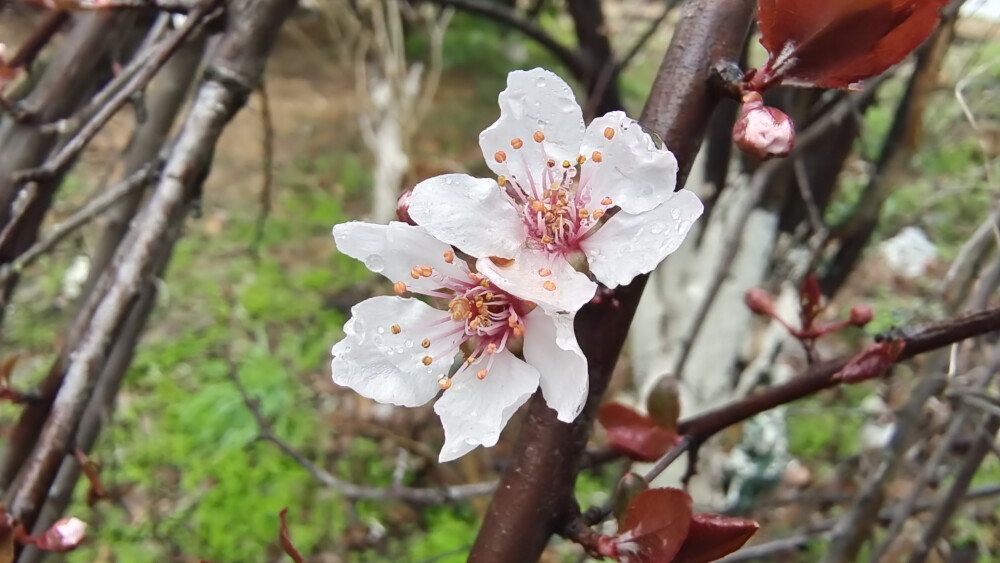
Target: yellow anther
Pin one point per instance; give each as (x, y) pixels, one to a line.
(518, 330)
(566, 164)
(549, 285)
(449, 256)
(544, 272)
(444, 383)
(551, 163)
(395, 329)
(606, 201)
(427, 360)
(511, 322)
(609, 133)
(537, 206)
(500, 156)
(426, 343)
(489, 296)
(580, 159)
(399, 287)
(425, 271)
(479, 303)
(546, 239)
(596, 157)
(491, 348)
(598, 213)
(486, 283)
(502, 180)
(460, 309)
(539, 136)
(474, 323)
(516, 143)
(481, 374)
(583, 214)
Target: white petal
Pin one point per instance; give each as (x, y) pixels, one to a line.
(629, 245)
(635, 174)
(535, 100)
(562, 289)
(389, 367)
(474, 410)
(550, 346)
(393, 250)
(473, 214)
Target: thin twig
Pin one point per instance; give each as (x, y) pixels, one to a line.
(267, 168)
(351, 490)
(641, 41)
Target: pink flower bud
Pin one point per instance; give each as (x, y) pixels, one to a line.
(761, 131)
(861, 315)
(65, 535)
(403, 208)
(759, 301)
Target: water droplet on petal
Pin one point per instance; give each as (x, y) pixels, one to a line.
(656, 229)
(408, 344)
(675, 214)
(380, 330)
(399, 349)
(447, 181)
(375, 263)
(540, 82)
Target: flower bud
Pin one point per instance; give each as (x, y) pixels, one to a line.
(861, 315)
(403, 208)
(761, 131)
(630, 485)
(664, 402)
(65, 535)
(759, 301)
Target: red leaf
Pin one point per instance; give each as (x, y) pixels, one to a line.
(871, 362)
(811, 302)
(838, 43)
(286, 539)
(654, 526)
(713, 536)
(635, 434)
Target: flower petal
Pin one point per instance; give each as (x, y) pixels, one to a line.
(474, 411)
(473, 214)
(386, 366)
(393, 250)
(632, 171)
(547, 279)
(535, 101)
(550, 346)
(629, 245)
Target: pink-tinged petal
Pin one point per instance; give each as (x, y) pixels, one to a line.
(629, 245)
(629, 168)
(550, 346)
(393, 250)
(473, 214)
(547, 279)
(382, 357)
(535, 101)
(474, 411)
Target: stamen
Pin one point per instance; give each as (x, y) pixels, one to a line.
(426, 343)
(427, 360)
(583, 214)
(566, 164)
(544, 272)
(500, 156)
(395, 329)
(399, 287)
(516, 143)
(598, 213)
(609, 133)
(549, 285)
(449, 256)
(551, 163)
(444, 383)
(415, 273)
(502, 180)
(491, 348)
(580, 159)
(426, 271)
(606, 201)
(596, 157)
(539, 136)
(481, 374)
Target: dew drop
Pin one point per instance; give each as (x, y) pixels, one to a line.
(675, 214)
(656, 229)
(378, 342)
(447, 181)
(388, 351)
(375, 263)
(347, 349)
(540, 82)
(408, 344)
(380, 330)
(399, 349)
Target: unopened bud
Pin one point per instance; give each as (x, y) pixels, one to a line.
(403, 208)
(759, 301)
(861, 315)
(630, 485)
(65, 535)
(761, 131)
(664, 402)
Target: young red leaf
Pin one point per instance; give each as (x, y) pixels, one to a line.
(285, 539)
(713, 536)
(634, 434)
(654, 526)
(871, 362)
(838, 43)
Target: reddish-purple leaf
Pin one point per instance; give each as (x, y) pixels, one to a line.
(713, 536)
(871, 362)
(286, 539)
(654, 526)
(811, 302)
(838, 43)
(635, 434)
